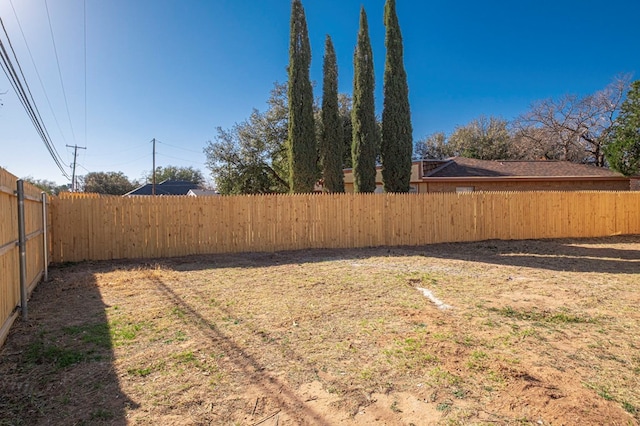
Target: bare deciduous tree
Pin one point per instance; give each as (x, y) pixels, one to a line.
(570, 128)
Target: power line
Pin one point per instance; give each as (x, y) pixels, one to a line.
(179, 147)
(181, 159)
(26, 97)
(104, 166)
(130, 148)
(55, 118)
(55, 49)
(184, 149)
(144, 145)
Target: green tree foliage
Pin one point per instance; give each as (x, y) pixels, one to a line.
(242, 163)
(273, 128)
(47, 186)
(188, 174)
(397, 138)
(110, 183)
(483, 138)
(433, 147)
(251, 158)
(363, 117)
(623, 150)
(344, 103)
(302, 138)
(331, 142)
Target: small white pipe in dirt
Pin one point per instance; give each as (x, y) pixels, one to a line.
(439, 303)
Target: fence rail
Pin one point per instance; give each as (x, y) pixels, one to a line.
(35, 256)
(148, 227)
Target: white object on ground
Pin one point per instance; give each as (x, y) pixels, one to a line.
(439, 303)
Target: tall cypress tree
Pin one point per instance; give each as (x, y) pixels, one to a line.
(331, 141)
(397, 139)
(363, 147)
(301, 138)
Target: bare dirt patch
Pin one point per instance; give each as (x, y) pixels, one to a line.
(538, 332)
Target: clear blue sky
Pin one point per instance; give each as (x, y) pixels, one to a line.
(175, 70)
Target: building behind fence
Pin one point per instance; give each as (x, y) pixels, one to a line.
(35, 257)
(101, 228)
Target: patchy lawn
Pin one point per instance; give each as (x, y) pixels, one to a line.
(526, 332)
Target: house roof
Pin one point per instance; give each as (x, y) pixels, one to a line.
(469, 167)
(166, 187)
(202, 192)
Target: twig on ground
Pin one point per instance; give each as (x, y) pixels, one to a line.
(266, 418)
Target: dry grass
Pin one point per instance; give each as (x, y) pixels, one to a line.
(541, 332)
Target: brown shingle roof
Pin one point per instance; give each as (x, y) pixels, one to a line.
(469, 167)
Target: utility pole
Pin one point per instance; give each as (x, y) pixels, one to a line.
(153, 172)
(75, 155)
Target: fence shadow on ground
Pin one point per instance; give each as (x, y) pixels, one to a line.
(57, 368)
(575, 254)
(568, 254)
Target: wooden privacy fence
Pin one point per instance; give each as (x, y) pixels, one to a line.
(34, 254)
(149, 227)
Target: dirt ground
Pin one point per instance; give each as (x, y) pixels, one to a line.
(521, 332)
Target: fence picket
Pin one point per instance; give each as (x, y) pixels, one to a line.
(147, 227)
